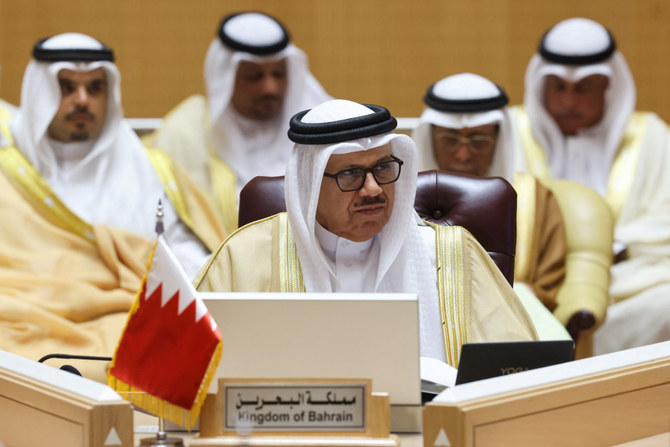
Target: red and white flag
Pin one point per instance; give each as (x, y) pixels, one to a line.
(170, 347)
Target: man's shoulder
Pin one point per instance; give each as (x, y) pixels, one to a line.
(519, 119)
(445, 231)
(263, 230)
(191, 112)
(528, 186)
(262, 223)
(163, 163)
(525, 177)
(517, 111)
(7, 110)
(253, 242)
(184, 132)
(188, 116)
(456, 239)
(194, 105)
(645, 131)
(646, 115)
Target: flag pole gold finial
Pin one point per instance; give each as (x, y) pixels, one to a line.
(160, 228)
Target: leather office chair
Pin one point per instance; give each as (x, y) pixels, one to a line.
(484, 206)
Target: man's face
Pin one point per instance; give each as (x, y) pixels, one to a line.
(355, 215)
(467, 151)
(83, 106)
(575, 105)
(260, 89)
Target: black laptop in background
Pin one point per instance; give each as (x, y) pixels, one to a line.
(485, 360)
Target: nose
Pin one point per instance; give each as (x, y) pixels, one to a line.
(81, 95)
(270, 85)
(569, 98)
(370, 187)
(463, 153)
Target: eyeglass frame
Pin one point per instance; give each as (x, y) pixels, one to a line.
(365, 174)
(467, 141)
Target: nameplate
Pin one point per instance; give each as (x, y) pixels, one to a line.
(311, 405)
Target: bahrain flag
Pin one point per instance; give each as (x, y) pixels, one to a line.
(170, 348)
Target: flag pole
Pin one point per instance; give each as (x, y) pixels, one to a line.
(161, 437)
(160, 228)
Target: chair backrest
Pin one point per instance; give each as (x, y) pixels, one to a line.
(486, 207)
(260, 198)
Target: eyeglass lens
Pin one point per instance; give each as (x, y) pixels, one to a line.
(384, 172)
(478, 143)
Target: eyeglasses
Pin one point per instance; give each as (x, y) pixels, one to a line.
(353, 179)
(477, 144)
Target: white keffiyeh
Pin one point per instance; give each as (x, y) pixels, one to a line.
(466, 86)
(587, 156)
(249, 147)
(404, 260)
(107, 181)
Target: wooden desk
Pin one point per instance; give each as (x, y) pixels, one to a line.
(621, 398)
(143, 420)
(406, 440)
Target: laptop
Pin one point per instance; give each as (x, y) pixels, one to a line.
(322, 335)
(485, 360)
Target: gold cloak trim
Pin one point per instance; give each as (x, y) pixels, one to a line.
(38, 192)
(524, 184)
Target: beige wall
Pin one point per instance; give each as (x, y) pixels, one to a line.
(379, 51)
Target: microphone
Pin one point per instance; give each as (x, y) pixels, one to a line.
(70, 368)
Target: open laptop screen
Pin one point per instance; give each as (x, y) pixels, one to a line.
(321, 335)
(485, 360)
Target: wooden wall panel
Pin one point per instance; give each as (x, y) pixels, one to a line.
(380, 51)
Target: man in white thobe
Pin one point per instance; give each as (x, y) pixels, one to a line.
(256, 79)
(578, 122)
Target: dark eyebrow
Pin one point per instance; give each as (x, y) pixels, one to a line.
(381, 160)
(590, 81)
(385, 159)
(440, 129)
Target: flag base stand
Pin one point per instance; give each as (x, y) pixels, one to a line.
(162, 439)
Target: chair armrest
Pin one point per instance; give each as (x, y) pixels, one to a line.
(580, 321)
(589, 227)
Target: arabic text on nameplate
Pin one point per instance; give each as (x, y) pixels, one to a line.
(294, 407)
